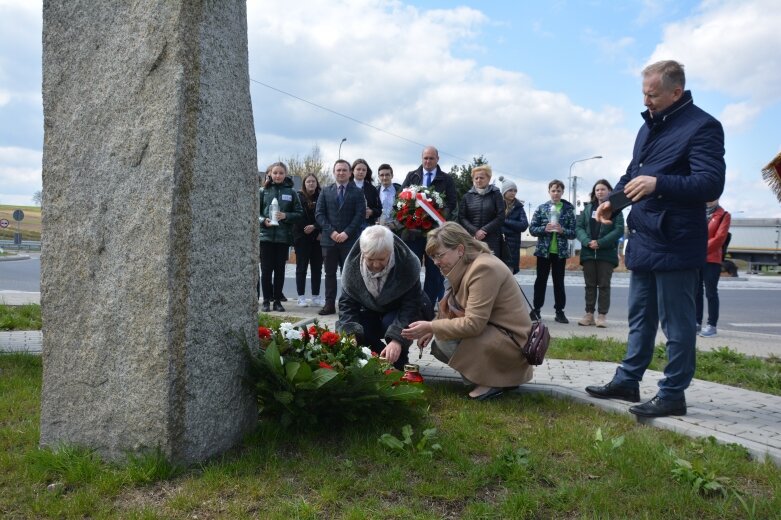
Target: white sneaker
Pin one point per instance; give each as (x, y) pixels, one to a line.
(318, 301)
(708, 331)
(302, 301)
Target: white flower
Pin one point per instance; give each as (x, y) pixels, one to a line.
(316, 347)
(362, 362)
(292, 334)
(366, 352)
(281, 360)
(285, 326)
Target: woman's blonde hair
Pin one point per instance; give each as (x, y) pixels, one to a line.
(484, 168)
(450, 235)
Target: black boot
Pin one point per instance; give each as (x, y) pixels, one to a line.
(278, 307)
(266, 306)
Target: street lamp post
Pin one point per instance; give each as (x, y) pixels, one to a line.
(574, 185)
(570, 173)
(340, 146)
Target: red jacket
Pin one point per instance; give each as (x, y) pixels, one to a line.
(718, 227)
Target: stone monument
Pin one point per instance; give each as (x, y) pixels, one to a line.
(150, 234)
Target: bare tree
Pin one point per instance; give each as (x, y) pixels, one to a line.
(311, 163)
(38, 197)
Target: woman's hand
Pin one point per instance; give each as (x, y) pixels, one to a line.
(417, 330)
(480, 234)
(392, 351)
(368, 212)
(308, 229)
(593, 244)
(424, 341)
(281, 216)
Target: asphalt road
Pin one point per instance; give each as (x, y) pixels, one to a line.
(746, 306)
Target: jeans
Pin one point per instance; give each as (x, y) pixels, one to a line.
(709, 277)
(434, 283)
(273, 257)
(667, 297)
(309, 255)
(597, 275)
(555, 266)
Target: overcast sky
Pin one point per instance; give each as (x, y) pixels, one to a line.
(532, 86)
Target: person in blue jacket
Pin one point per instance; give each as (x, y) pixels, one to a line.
(677, 166)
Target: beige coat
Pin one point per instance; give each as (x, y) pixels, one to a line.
(488, 292)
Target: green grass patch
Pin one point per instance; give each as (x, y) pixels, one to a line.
(20, 317)
(723, 365)
(522, 456)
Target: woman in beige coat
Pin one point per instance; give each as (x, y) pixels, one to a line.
(483, 344)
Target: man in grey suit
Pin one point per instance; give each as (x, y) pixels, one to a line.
(340, 212)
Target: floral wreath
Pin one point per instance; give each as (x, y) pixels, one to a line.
(418, 207)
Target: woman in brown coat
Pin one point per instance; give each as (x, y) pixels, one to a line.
(480, 315)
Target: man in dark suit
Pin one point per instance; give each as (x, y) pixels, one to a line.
(340, 213)
(430, 174)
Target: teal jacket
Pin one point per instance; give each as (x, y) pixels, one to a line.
(609, 235)
(289, 204)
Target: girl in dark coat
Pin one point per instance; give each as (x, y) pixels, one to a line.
(515, 223)
(599, 254)
(306, 241)
(362, 177)
(482, 210)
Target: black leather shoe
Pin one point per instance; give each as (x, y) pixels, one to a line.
(490, 394)
(283, 298)
(266, 307)
(560, 318)
(615, 391)
(658, 407)
(535, 315)
(278, 307)
(328, 308)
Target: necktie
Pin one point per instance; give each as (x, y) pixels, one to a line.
(428, 178)
(340, 196)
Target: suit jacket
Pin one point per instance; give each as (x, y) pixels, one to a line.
(443, 183)
(349, 217)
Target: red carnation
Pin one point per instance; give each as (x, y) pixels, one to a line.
(264, 333)
(312, 331)
(323, 364)
(329, 338)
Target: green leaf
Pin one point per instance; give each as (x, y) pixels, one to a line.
(406, 432)
(598, 435)
(298, 372)
(273, 359)
(283, 397)
(391, 442)
(321, 376)
(402, 392)
(618, 442)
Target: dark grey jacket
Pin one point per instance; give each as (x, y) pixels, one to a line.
(401, 293)
(484, 212)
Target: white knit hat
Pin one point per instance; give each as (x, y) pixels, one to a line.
(507, 184)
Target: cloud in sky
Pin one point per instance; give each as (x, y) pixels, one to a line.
(430, 77)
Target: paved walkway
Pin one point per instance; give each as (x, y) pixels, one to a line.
(729, 414)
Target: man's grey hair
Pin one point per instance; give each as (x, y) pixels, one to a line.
(376, 239)
(670, 71)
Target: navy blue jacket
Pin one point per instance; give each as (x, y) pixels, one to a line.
(349, 217)
(683, 147)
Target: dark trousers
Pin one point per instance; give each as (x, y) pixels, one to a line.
(273, 257)
(709, 277)
(434, 283)
(333, 257)
(555, 266)
(309, 255)
(597, 275)
(375, 324)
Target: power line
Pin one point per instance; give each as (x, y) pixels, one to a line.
(355, 120)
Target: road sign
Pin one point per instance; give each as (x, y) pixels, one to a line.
(4, 223)
(18, 215)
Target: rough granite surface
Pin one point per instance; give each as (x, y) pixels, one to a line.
(149, 254)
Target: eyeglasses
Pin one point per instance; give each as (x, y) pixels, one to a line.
(438, 256)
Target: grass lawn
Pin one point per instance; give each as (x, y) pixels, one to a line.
(523, 456)
(20, 317)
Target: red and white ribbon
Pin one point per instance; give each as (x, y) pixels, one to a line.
(429, 208)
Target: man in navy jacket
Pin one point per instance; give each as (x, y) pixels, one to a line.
(430, 174)
(677, 165)
(340, 213)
